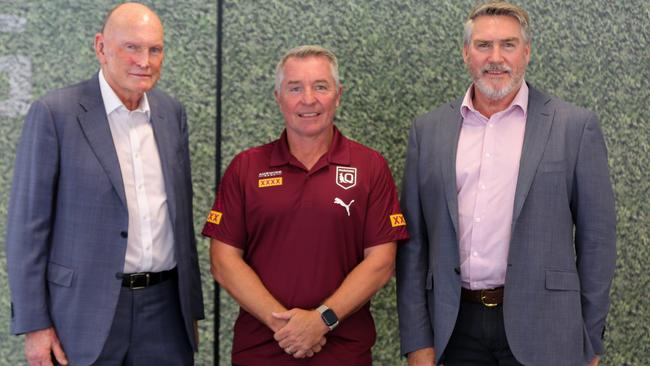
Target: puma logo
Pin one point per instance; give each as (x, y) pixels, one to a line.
(339, 201)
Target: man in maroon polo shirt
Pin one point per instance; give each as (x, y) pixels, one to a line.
(304, 229)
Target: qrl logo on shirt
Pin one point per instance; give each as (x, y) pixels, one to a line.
(397, 220)
(214, 217)
(346, 178)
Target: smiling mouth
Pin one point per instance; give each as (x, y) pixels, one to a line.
(308, 115)
(496, 72)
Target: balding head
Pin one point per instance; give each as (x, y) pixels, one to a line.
(129, 12)
(130, 51)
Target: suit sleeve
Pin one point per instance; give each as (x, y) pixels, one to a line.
(30, 218)
(592, 206)
(412, 262)
(197, 294)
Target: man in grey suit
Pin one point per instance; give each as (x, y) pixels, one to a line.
(511, 217)
(101, 250)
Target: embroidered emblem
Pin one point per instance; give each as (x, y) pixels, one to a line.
(339, 201)
(269, 182)
(274, 173)
(346, 177)
(214, 217)
(397, 220)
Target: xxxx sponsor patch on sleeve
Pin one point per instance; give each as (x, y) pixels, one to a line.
(397, 220)
(214, 217)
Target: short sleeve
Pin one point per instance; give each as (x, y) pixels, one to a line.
(226, 221)
(384, 219)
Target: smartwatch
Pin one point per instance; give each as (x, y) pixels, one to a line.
(329, 317)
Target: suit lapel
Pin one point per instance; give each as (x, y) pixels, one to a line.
(538, 127)
(449, 144)
(95, 127)
(165, 135)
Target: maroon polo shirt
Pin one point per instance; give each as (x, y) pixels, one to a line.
(302, 232)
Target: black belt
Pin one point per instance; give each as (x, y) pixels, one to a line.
(488, 297)
(140, 280)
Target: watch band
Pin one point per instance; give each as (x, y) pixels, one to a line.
(329, 316)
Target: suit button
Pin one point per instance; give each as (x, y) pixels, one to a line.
(457, 270)
(124, 234)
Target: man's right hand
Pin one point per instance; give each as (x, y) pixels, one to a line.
(422, 357)
(297, 326)
(40, 345)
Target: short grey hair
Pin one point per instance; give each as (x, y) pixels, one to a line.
(495, 8)
(304, 52)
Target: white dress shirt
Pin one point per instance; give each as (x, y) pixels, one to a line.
(150, 243)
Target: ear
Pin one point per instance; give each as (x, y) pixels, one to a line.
(100, 48)
(465, 52)
(527, 52)
(277, 96)
(338, 96)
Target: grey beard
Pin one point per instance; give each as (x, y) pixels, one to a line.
(497, 94)
(494, 93)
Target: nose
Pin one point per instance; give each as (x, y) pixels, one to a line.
(496, 55)
(308, 96)
(142, 59)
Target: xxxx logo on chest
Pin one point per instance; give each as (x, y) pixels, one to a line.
(269, 182)
(346, 177)
(269, 179)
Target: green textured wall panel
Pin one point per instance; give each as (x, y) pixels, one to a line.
(398, 59)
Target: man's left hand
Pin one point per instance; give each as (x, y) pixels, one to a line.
(594, 361)
(304, 333)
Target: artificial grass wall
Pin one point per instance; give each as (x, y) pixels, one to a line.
(398, 59)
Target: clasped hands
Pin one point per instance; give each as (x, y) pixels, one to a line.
(299, 332)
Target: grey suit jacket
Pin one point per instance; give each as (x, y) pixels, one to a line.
(557, 280)
(68, 219)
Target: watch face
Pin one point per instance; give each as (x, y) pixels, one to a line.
(329, 317)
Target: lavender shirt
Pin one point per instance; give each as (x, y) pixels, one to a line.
(487, 165)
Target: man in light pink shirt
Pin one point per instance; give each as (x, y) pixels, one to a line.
(511, 217)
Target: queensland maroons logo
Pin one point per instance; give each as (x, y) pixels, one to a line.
(346, 177)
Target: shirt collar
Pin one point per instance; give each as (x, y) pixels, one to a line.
(520, 100)
(112, 102)
(338, 153)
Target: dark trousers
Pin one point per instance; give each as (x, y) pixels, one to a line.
(479, 338)
(148, 329)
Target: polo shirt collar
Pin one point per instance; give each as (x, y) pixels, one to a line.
(338, 153)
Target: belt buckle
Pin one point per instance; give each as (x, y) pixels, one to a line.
(134, 276)
(486, 304)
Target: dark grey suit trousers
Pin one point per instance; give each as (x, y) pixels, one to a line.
(148, 329)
